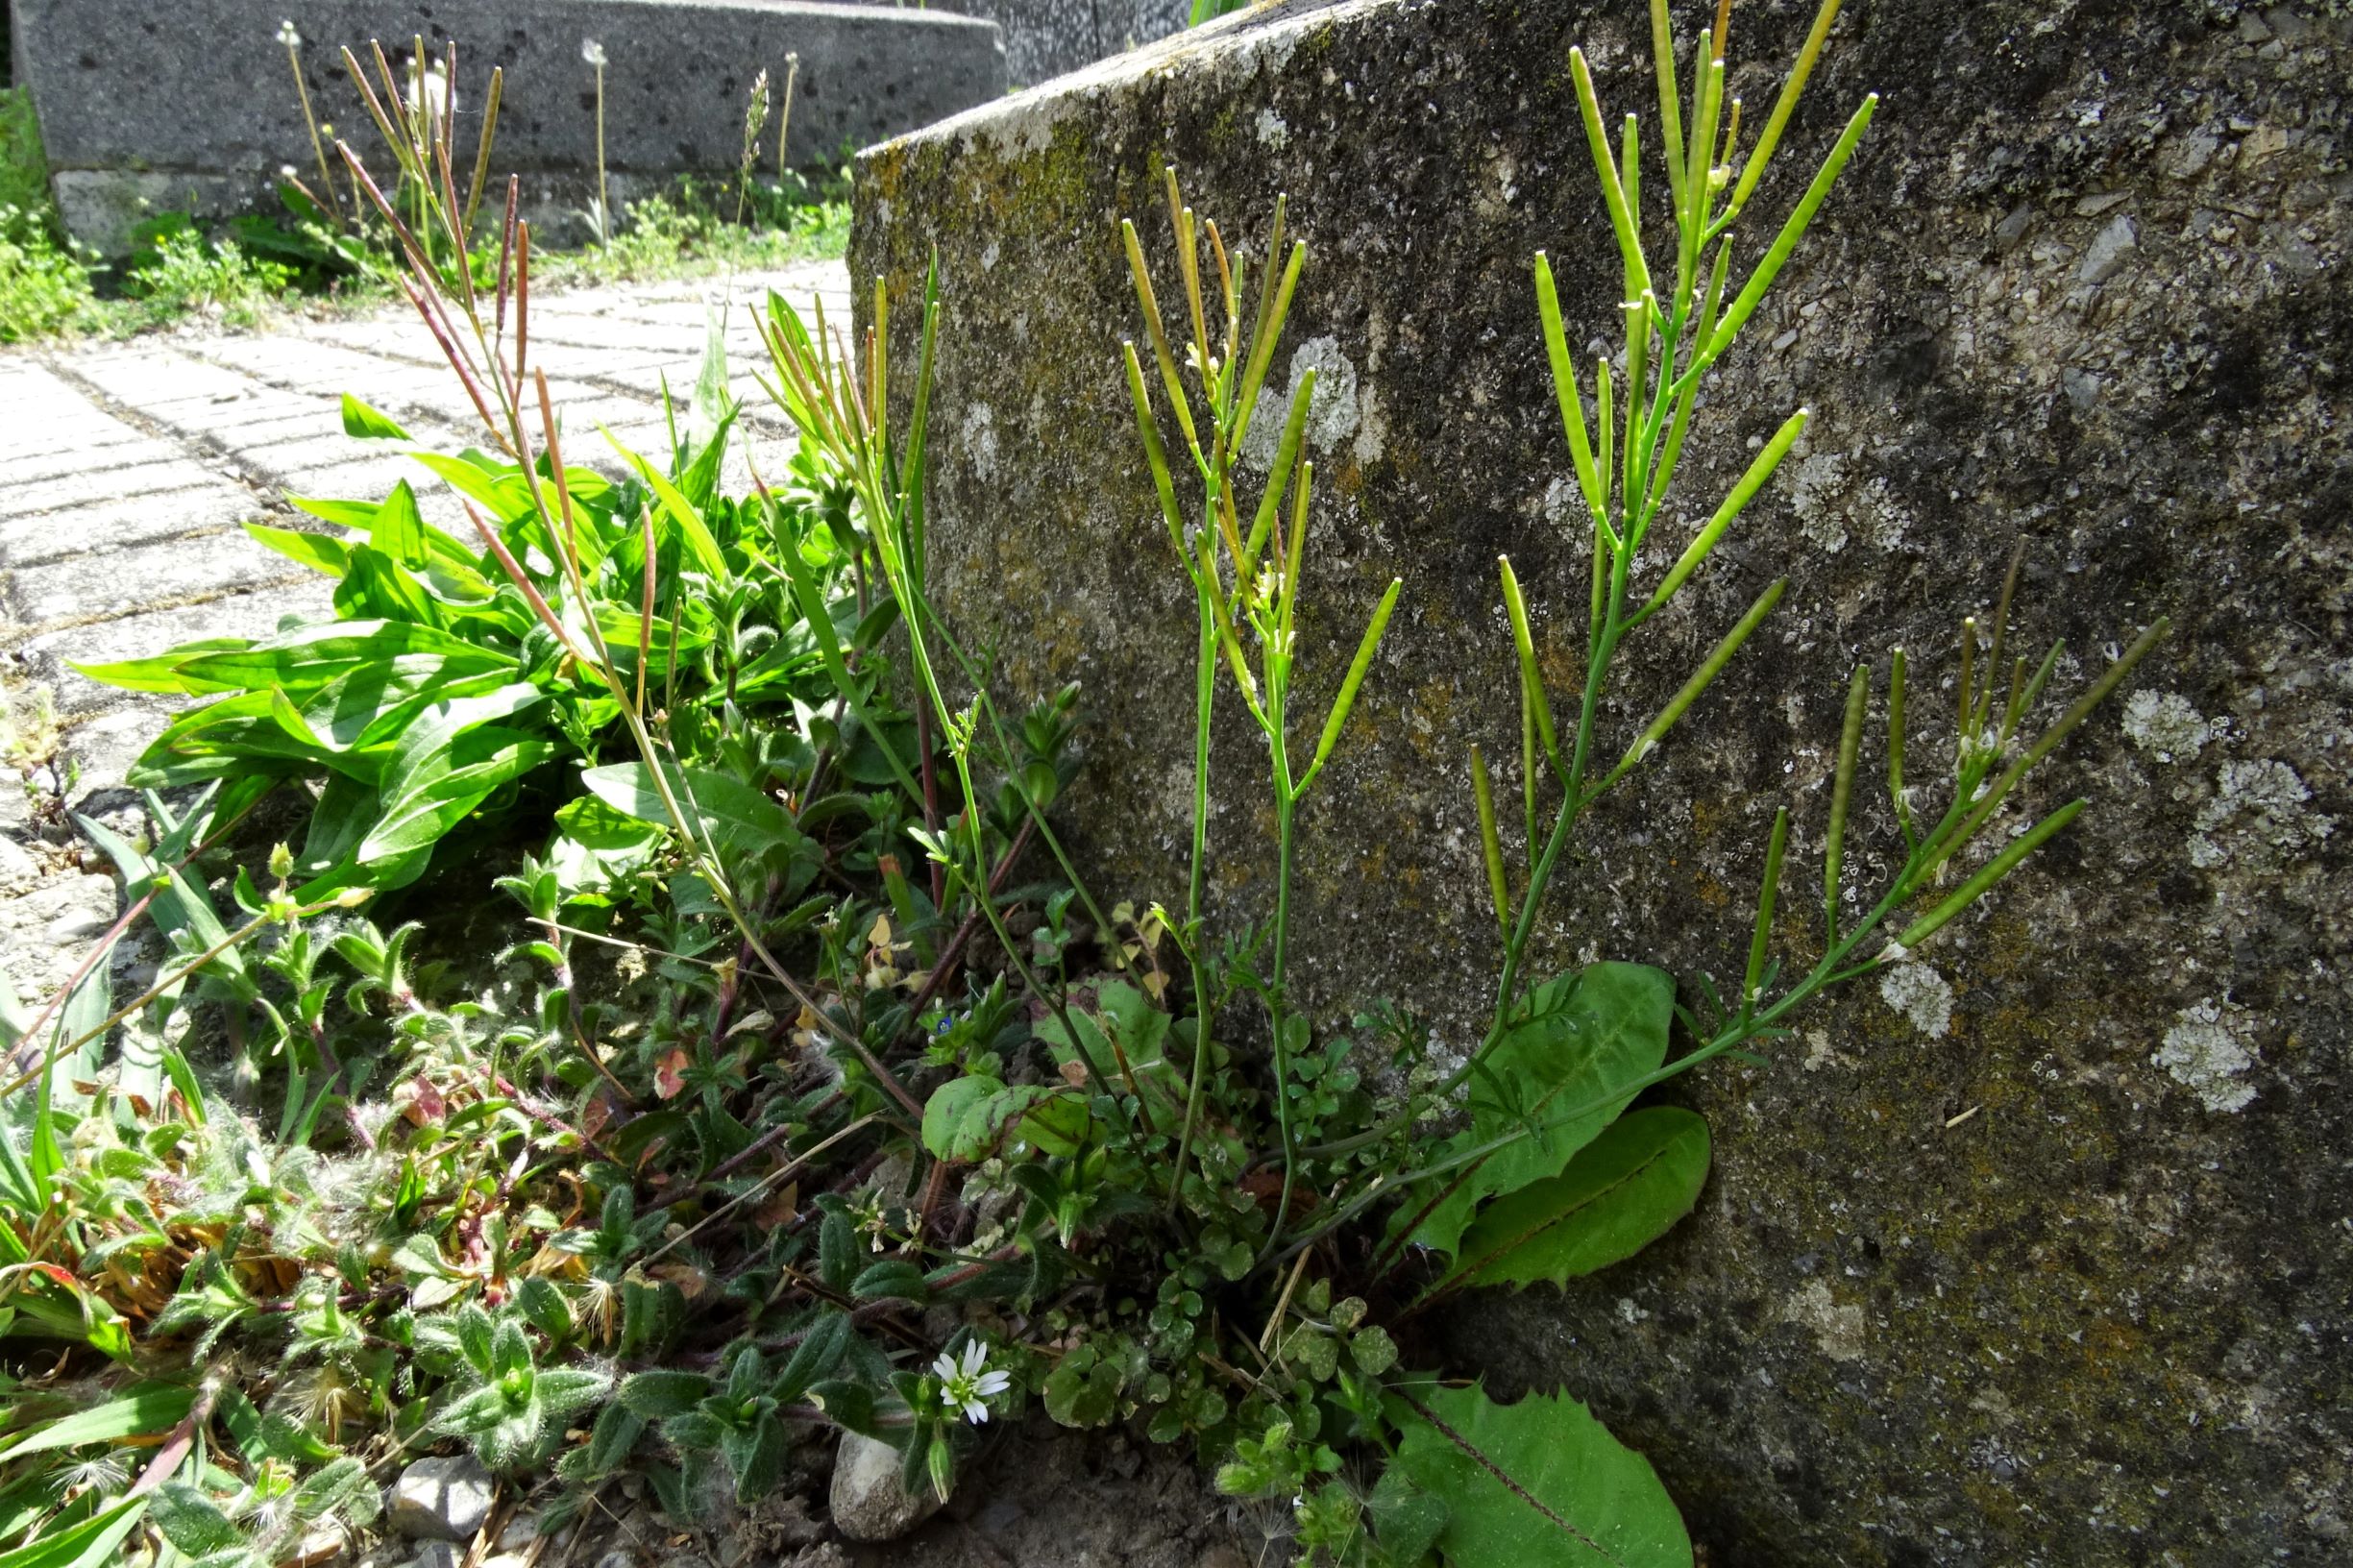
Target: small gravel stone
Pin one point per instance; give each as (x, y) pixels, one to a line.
(435, 1555)
(868, 1502)
(442, 1499)
(518, 1533)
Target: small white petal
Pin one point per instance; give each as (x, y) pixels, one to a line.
(944, 1366)
(975, 1356)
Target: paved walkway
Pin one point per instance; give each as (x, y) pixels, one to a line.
(126, 471)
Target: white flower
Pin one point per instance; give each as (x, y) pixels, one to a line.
(287, 36)
(969, 1388)
(593, 52)
(433, 91)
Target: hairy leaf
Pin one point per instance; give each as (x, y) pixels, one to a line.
(1537, 1484)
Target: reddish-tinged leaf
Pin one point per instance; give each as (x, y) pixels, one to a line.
(425, 1105)
(669, 1080)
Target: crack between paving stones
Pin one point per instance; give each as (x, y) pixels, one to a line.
(14, 636)
(237, 472)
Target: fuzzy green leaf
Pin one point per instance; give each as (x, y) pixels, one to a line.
(1537, 1484)
(660, 1393)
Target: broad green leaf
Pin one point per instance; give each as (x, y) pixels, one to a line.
(361, 517)
(146, 1411)
(1575, 1498)
(375, 584)
(447, 763)
(164, 672)
(399, 527)
(365, 712)
(316, 551)
(971, 1118)
(596, 826)
(1584, 1037)
(1083, 1391)
(310, 657)
(504, 495)
(680, 511)
(363, 423)
(1406, 1519)
(1620, 1194)
(1127, 1040)
(234, 735)
(716, 805)
(190, 1521)
(357, 515)
(447, 787)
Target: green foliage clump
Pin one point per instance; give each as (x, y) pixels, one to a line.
(820, 1094)
(44, 286)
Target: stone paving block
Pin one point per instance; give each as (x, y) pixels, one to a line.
(124, 520)
(412, 394)
(150, 375)
(98, 754)
(77, 451)
(30, 436)
(176, 472)
(44, 933)
(89, 587)
(48, 656)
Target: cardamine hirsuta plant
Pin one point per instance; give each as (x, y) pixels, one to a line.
(885, 1126)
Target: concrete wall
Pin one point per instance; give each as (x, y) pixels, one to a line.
(2084, 285)
(154, 105)
(1047, 37)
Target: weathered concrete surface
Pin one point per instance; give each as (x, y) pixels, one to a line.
(1047, 37)
(149, 106)
(2084, 285)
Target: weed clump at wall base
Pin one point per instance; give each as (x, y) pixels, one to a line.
(43, 287)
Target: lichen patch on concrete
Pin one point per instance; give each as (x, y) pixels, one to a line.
(2260, 817)
(2166, 726)
(2206, 1054)
(1921, 995)
(1838, 1327)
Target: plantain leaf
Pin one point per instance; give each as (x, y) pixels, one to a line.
(1620, 1194)
(1537, 1484)
(307, 658)
(447, 762)
(680, 511)
(716, 804)
(316, 551)
(363, 423)
(1585, 1043)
